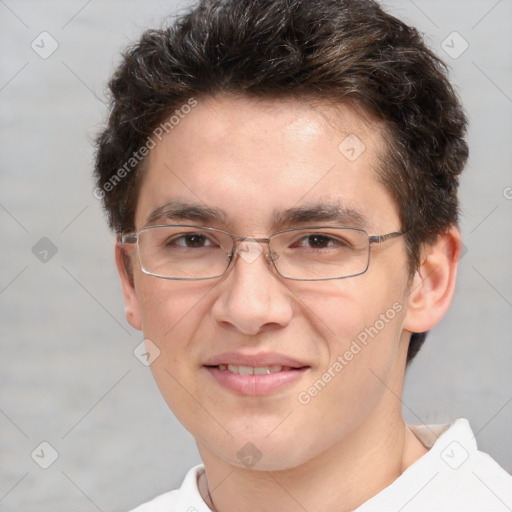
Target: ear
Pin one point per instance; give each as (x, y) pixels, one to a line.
(131, 301)
(433, 285)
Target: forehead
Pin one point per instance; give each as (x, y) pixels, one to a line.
(253, 159)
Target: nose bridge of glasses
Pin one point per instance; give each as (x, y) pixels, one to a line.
(240, 239)
(250, 248)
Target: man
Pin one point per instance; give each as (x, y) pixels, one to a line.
(282, 176)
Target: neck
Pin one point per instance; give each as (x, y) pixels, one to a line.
(340, 479)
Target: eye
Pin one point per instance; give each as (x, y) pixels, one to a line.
(320, 241)
(191, 241)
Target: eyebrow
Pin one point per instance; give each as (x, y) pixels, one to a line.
(182, 210)
(310, 213)
(318, 213)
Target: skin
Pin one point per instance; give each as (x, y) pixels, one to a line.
(251, 158)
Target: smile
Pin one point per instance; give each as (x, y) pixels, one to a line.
(251, 370)
(255, 380)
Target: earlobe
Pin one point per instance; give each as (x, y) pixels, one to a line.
(433, 286)
(131, 301)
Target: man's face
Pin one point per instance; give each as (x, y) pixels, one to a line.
(253, 159)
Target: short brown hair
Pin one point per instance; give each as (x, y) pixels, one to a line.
(339, 50)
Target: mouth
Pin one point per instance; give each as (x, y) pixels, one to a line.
(258, 379)
(254, 370)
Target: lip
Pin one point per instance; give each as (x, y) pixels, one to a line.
(260, 359)
(255, 385)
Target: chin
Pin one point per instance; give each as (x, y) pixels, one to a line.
(263, 453)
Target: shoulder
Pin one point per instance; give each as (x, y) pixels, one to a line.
(185, 499)
(164, 503)
(454, 476)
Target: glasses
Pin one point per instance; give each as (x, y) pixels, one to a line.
(317, 253)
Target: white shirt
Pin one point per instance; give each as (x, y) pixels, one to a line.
(452, 477)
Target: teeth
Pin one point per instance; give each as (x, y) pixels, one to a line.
(242, 370)
(251, 370)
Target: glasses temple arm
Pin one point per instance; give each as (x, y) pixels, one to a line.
(377, 239)
(130, 238)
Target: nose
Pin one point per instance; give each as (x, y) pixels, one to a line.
(253, 298)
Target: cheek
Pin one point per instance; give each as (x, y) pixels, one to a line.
(364, 326)
(171, 314)
(170, 308)
(361, 308)
(363, 354)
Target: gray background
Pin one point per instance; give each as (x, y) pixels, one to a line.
(68, 373)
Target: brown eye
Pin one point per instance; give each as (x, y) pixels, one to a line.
(191, 240)
(320, 241)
